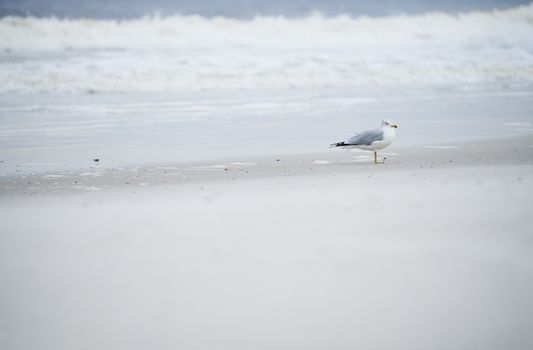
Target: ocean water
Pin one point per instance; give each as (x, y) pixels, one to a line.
(179, 81)
(184, 53)
(120, 9)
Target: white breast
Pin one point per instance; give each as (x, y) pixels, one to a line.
(388, 137)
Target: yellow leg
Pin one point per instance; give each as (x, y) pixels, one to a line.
(376, 158)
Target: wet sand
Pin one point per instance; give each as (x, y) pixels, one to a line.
(419, 160)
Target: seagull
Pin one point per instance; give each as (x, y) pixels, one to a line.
(371, 140)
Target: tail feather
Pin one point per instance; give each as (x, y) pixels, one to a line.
(338, 144)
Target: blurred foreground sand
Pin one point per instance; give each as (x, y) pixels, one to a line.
(432, 250)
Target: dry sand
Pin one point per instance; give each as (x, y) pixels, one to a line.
(432, 250)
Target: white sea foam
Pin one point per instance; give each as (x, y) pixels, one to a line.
(183, 32)
(87, 188)
(88, 173)
(196, 53)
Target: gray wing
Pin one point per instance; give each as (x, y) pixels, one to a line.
(366, 137)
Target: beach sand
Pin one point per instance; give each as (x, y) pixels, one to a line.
(431, 250)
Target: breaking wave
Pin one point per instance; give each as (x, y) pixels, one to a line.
(192, 52)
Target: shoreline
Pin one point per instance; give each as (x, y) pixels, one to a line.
(517, 151)
(142, 130)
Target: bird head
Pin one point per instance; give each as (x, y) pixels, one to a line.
(388, 124)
